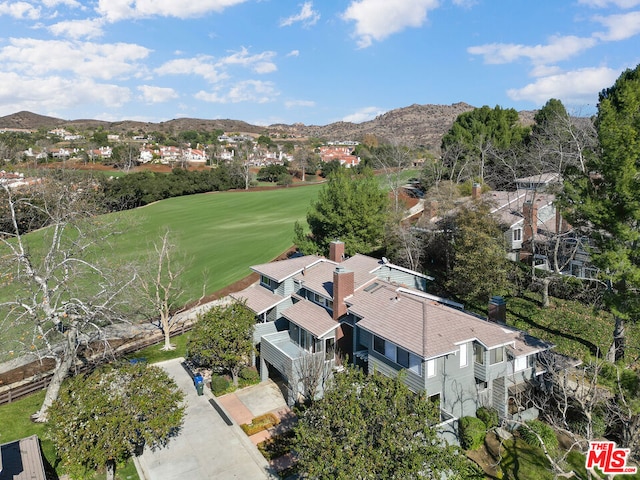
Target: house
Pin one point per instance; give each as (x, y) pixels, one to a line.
(22, 460)
(379, 316)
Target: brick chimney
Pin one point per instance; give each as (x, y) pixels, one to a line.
(497, 310)
(430, 209)
(336, 251)
(530, 227)
(343, 285)
(476, 191)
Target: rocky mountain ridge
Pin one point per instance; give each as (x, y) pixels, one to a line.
(422, 125)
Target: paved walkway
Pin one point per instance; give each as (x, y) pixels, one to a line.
(206, 448)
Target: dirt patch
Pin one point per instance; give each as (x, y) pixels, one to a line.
(486, 456)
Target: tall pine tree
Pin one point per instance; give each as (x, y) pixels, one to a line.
(605, 202)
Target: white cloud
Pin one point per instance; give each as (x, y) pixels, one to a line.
(293, 53)
(245, 91)
(259, 63)
(116, 10)
(299, 103)
(40, 57)
(87, 28)
(55, 3)
(578, 87)
(363, 115)
(377, 19)
(620, 27)
(55, 93)
(606, 3)
(308, 16)
(545, 70)
(151, 94)
(19, 10)
(558, 48)
(203, 66)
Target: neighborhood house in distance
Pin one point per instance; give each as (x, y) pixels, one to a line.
(380, 317)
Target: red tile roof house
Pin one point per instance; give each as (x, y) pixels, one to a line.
(379, 317)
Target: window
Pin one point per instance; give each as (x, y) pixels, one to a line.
(464, 361)
(496, 355)
(390, 351)
(431, 368)
(415, 364)
(517, 235)
(520, 363)
(329, 349)
(478, 353)
(402, 357)
(378, 345)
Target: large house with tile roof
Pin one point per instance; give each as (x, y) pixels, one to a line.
(380, 317)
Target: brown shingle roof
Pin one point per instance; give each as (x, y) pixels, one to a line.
(258, 298)
(311, 317)
(283, 269)
(420, 325)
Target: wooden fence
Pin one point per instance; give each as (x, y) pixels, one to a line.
(41, 381)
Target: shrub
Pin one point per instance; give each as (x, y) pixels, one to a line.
(547, 435)
(259, 423)
(249, 374)
(219, 384)
(472, 432)
(489, 416)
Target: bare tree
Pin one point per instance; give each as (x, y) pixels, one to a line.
(394, 159)
(60, 292)
(306, 158)
(312, 371)
(162, 287)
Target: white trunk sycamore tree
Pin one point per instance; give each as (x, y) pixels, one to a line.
(59, 293)
(162, 287)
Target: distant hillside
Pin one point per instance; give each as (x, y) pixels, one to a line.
(416, 125)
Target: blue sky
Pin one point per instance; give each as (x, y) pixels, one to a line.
(315, 62)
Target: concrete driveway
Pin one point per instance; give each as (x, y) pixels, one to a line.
(207, 447)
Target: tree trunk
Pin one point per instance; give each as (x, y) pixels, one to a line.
(545, 292)
(166, 330)
(63, 366)
(235, 372)
(616, 352)
(111, 469)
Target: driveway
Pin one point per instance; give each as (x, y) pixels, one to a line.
(206, 448)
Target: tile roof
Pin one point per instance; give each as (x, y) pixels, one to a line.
(311, 317)
(258, 298)
(420, 325)
(22, 460)
(319, 277)
(283, 269)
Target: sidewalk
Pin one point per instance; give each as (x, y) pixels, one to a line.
(206, 447)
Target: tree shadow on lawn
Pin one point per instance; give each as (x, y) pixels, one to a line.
(593, 349)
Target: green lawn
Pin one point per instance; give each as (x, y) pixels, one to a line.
(576, 329)
(222, 233)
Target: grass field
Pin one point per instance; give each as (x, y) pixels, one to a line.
(220, 234)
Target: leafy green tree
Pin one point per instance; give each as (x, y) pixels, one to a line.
(223, 339)
(352, 208)
(374, 427)
(329, 168)
(476, 135)
(271, 173)
(101, 419)
(605, 202)
(480, 264)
